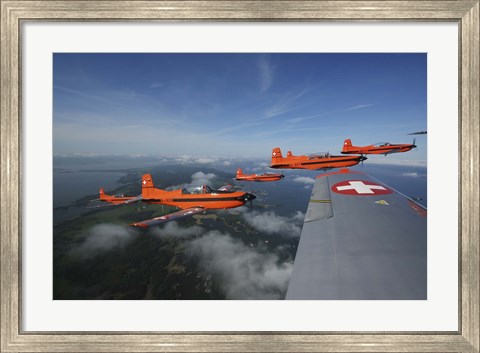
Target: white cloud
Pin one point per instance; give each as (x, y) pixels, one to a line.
(201, 178)
(314, 116)
(174, 187)
(261, 166)
(156, 85)
(189, 159)
(359, 106)
(172, 229)
(241, 272)
(298, 216)
(104, 237)
(198, 178)
(269, 222)
(411, 174)
(266, 73)
(205, 160)
(304, 180)
(285, 104)
(185, 159)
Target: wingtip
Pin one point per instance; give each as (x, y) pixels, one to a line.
(139, 225)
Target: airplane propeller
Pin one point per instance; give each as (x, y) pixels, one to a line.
(249, 197)
(362, 159)
(414, 146)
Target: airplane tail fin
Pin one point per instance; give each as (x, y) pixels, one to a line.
(147, 185)
(106, 197)
(239, 172)
(347, 145)
(276, 155)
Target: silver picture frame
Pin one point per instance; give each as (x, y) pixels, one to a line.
(15, 13)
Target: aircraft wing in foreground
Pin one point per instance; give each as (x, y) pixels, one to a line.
(360, 240)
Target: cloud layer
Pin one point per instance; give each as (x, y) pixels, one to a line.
(411, 174)
(304, 180)
(271, 223)
(201, 178)
(105, 237)
(241, 272)
(172, 229)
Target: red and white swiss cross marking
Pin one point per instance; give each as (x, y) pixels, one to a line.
(360, 187)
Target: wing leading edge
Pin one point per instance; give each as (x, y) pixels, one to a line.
(360, 240)
(168, 217)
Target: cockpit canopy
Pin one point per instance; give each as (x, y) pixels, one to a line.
(381, 144)
(203, 189)
(318, 155)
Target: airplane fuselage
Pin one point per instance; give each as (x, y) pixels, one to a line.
(260, 177)
(314, 162)
(214, 200)
(379, 149)
(191, 200)
(382, 148)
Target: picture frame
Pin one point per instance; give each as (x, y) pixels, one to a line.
(15, 339)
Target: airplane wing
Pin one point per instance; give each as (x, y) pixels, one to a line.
(168, 217)
(360, 240)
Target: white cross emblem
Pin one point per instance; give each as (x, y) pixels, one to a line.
(360, 187)
(144, 182)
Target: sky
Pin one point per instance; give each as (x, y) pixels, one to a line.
(237, 105)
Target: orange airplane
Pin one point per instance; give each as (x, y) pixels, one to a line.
(325, 161)
(258, 177)
(191, 200)
(379, 148)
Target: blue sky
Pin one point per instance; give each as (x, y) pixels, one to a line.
(236, 104)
